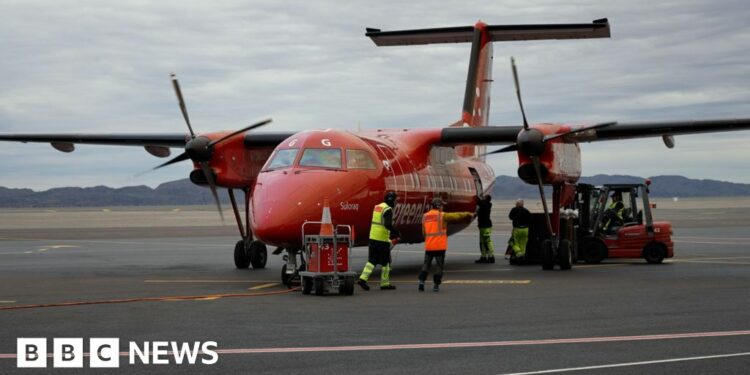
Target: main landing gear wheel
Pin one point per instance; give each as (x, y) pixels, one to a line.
(548, 256)
(241, 260)
(565, 255)
(258, 254)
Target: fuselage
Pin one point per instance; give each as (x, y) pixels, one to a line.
(353, 171)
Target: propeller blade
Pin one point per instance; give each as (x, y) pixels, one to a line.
(538, 170)
(518, 92)
(180, 100)
(248, 128)
(580, 130)
(513, 147)
(212, 184)
(181, 157)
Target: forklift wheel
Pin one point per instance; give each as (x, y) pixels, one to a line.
(592, 251)
(654, 253)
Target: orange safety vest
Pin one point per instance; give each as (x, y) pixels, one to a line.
(435, 232)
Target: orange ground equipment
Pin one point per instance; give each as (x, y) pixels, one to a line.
(327, 257)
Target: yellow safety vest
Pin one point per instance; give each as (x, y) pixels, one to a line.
(378, 231)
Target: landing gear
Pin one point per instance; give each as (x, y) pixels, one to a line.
(247, 251)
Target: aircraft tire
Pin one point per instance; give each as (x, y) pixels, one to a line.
(258, 254)
(307, 285)
(565, 255)
(286, 279)
(241, 260)
(654, 253)
(548, 256)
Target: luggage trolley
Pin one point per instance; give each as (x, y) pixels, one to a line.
(323, 275)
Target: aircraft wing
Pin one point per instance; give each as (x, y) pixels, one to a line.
(613, 131)
(152, 142)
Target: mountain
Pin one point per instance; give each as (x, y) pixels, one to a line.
(180, 192)
(507, 187)
(183, 192)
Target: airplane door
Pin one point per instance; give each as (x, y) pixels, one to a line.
(477, 181)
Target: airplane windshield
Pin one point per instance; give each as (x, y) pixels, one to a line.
(359, 159)
(321, 157)
(282, 159)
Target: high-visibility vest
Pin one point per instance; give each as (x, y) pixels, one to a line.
(435, 231)
(378, 231)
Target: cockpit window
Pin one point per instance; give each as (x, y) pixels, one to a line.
(321, 157)
(359, 159)
(282, 159)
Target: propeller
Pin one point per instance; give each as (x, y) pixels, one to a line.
(531, 143)
(200, 149)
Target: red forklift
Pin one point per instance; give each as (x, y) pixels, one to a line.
(612, 224)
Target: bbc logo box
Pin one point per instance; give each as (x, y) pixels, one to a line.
(67, 352)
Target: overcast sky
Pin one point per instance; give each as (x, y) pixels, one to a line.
(103, 66)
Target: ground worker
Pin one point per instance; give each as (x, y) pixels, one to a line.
(484, 208)
(521, 218)
(613, 214)
(382, 236)
(435, 230)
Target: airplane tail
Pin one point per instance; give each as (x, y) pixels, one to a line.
(476, 108)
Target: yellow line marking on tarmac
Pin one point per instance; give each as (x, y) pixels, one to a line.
(466, 282)
(263, 286)
(209, 298)
(709, 262)
(602, 265)
(188, 281)
(43, 249)
(472, 282)
(7, 301)
(480, 270)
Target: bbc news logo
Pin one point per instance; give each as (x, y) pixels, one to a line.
(105, 353)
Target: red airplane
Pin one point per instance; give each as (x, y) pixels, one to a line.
(286, 176)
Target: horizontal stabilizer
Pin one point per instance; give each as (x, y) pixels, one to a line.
(497, 33)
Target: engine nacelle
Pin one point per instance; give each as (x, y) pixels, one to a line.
(559, 163)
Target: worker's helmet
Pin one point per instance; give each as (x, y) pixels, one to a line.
(437, 202)
(390, 198)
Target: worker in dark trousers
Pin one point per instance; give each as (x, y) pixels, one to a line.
(382, 236)
(484, 208)
(435, 230)
(521, 218)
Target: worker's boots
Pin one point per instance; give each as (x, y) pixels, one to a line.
(483, 259)
(363, 284)
(421, 286)
(387, 287)
(491, 259)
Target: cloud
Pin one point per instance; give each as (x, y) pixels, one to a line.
(93, 66)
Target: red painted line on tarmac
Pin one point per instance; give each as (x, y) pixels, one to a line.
(454, 345)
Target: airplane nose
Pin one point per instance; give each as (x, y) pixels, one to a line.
(281, 204)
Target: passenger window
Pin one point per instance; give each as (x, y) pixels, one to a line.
(359, 159)
(321, 157)
(281, 159)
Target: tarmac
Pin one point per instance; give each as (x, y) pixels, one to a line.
(139, 281)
